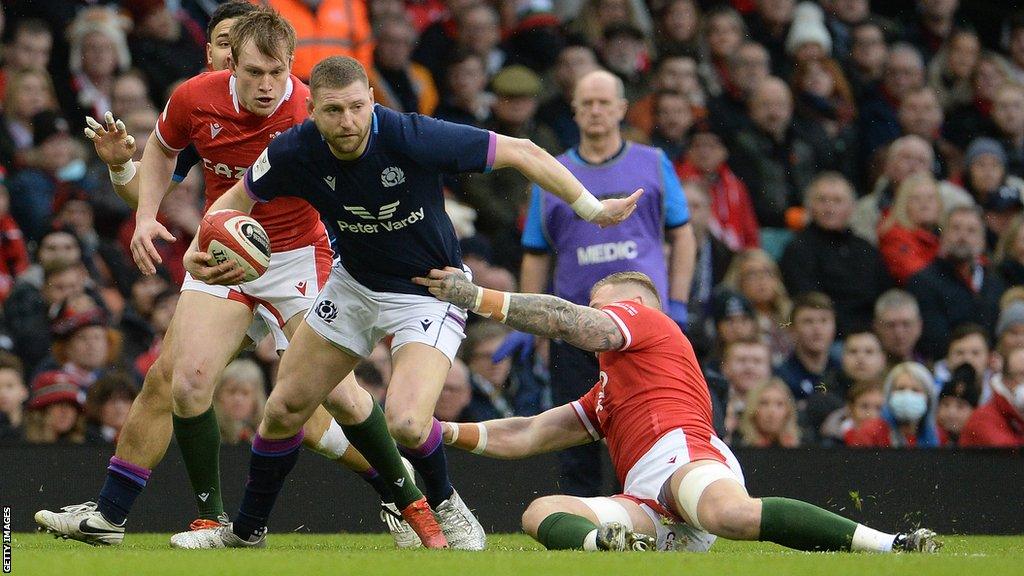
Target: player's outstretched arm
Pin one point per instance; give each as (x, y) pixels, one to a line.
(154, 173)
(542, 168)
(539, 314)
(116, 148)
(513, 438)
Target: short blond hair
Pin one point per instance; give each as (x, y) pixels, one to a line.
(629, 277)
(269, 32)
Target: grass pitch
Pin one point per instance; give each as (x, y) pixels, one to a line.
(507, 554)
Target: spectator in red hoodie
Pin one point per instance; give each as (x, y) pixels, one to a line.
(1000, 421)
(732, 213)
(908, 236)
(13, 254)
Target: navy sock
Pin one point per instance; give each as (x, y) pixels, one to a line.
(430, 461)
(269, 465)
(124, 483)
(374, 479)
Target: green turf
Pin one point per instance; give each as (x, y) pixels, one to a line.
(514, 555)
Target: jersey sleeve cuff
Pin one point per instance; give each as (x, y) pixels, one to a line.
(581, 414)
(250, 193)
(627, 337)
(492, 150)
(160, 137)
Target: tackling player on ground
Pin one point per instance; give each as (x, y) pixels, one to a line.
(375, 177)
(682, 486)
(230, 117)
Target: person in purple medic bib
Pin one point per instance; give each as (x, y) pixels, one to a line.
(610, 167)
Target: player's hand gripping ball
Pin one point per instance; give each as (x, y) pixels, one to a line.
(233, 235)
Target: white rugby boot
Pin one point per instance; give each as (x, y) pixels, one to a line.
(218, 537)
(80, 522)
(613, 536)
(921, 540)
(461, 528)
(401, 531)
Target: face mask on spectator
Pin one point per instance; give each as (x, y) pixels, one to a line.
(907, 405)
(72, 171)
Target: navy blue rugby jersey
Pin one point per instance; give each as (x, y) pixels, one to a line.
(384, 210)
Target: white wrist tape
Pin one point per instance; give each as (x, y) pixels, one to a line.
(455, 432)
(587, 206)
(491, 304)
(123, 176)
(481, 444)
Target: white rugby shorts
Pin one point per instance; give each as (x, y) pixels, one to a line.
(353, 317)
(645, 479)
(288, 287)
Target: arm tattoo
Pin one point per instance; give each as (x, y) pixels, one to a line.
(553, 317)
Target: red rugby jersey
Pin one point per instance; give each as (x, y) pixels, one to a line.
(206, 112)
(650, 386)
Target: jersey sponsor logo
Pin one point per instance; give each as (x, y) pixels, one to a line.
(385, 226)
(607, 252)
(261, 166)
(327, 311)
(392, 176)
(330, 181)
(385, 213)
(215, 129)
(221, 169)
(301, 287)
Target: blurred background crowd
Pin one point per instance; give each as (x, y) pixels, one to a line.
(853, 172)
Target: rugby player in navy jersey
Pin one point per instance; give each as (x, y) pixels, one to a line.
(375, 177)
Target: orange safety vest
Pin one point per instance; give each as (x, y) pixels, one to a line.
(337, 28)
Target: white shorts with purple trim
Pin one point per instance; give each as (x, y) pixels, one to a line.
(353, 317)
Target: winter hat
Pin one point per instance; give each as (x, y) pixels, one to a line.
(808, 27)
(984, 146)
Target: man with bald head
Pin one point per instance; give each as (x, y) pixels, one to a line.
(906, 156)
(879, 109)
(779, 155)
(609, 167)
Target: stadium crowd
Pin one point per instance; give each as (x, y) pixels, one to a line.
(855, 183)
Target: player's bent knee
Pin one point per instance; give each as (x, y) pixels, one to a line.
(407, 429)
(281, 416)
(537, 511)
(191, 388)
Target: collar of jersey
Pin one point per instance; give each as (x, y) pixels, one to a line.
(238, 107)
(574, 153)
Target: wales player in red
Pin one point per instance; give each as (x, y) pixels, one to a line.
(682, 486)
(229, 116)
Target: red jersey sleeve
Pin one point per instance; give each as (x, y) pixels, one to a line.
(173, 126)
(640, 326)
(586, 411)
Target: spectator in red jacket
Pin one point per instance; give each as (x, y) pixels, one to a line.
(13, 254)
(908, 417)
(908, 237)
(706, 160)
(1000, 421)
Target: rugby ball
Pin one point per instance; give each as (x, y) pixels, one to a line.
(233, 235)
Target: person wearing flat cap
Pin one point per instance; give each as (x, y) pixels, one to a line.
(500, 196)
